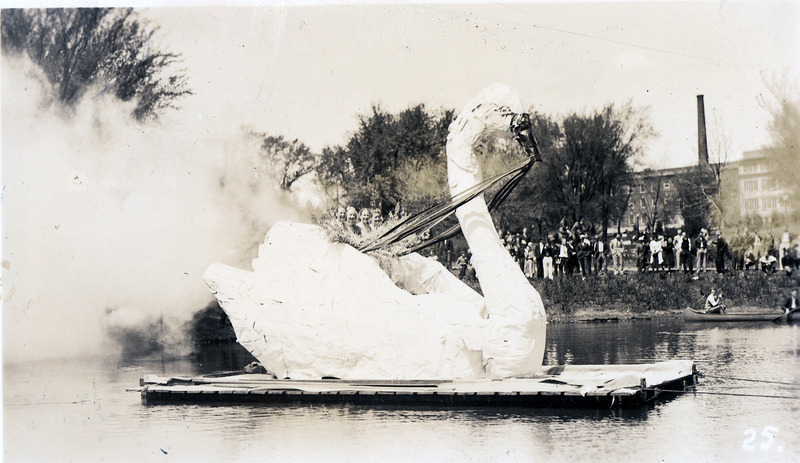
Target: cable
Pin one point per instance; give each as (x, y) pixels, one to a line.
(753, 380)
(726, 393)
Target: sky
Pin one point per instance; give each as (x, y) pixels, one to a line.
(107, 223)
(308, 72)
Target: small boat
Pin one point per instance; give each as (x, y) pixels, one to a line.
(691, 315)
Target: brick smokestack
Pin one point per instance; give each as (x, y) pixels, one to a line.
(702, 143)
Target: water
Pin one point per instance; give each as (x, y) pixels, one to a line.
(79, 410)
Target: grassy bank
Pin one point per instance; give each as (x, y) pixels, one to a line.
(650, 295)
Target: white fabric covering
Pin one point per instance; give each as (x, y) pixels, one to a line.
(311, 308)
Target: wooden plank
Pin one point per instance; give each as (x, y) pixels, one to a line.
(529, 392)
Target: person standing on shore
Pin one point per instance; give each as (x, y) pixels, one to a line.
(599, 255)
(656, 258)
(701, 247)
(784, 246)
(538, 255)
(547, 260)
(641, 254)
(562, 258)
(616, 253)
(529, 268)
(736, 248)
(669, 254)
(462, 265)
(686, 253)
(722, 250)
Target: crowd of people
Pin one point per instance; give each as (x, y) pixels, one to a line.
(581, 250)
(359, 223)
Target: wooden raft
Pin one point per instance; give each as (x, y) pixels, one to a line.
(575, 386)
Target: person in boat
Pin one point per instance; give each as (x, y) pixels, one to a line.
(791, 303)
(714, 303)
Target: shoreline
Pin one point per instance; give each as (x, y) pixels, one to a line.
(602, 315)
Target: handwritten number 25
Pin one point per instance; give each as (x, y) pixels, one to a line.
(769, 434)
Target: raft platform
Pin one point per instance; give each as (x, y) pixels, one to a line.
(570, 386)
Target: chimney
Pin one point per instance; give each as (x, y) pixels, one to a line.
(702, 144)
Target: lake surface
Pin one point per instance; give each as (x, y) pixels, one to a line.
(78, 410)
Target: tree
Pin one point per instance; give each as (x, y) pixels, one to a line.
(590, 163)
(286, 161)
(78, 48)
(704, 200)
(696, 192)
(533, 203)
(334, 172)
(783, 105)
(390, 161)
(653, 208)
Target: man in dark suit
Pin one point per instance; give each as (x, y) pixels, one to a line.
(722, 250)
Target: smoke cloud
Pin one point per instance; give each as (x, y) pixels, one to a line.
(107, 223)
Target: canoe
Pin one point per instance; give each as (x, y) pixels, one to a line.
(691, 315)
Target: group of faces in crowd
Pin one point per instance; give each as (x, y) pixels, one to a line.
(359, 223)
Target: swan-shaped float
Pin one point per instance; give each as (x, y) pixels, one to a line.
(312, 308)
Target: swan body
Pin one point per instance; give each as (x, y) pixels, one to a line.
(312, 308)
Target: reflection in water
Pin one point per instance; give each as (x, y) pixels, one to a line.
(79, 411)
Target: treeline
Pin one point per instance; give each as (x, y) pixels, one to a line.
(107, 49)
(398, 162)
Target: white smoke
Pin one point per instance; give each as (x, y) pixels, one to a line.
(102, 213)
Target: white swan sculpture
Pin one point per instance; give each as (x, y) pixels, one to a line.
(312, 308)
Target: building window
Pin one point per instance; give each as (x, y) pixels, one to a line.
(770, 203)
(750, 185)
(666, 185)
(751, 204)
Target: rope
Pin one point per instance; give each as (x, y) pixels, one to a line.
(728, 393)
(437, 213)
(428, 218)
(753, 380)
